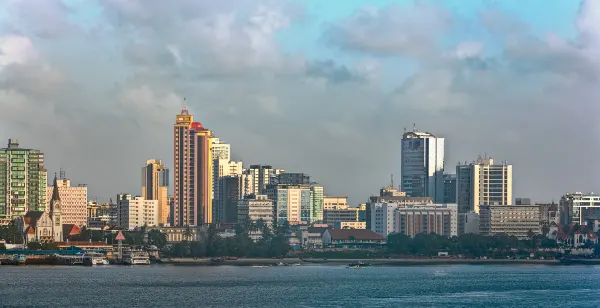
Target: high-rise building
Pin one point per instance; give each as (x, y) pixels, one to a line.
(316, 203)
(230, 192)
(193, 172)
(222, 168)
(512, 220)
(23, 181)
(263, 175)
(221, 150)
(483, 183)
(422, 169)
(292, 179)
(155, 186)
(73, 201)
(449, 188)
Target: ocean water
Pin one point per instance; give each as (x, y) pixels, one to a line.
(301, 286)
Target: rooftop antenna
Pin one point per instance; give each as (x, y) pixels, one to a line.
(392, 183)
(63, 174)
(414, 127)
(185, 109)
(405, 130)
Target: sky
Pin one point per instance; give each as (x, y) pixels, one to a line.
(320, 87)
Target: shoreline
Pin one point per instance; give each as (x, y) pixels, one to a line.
(373, 262)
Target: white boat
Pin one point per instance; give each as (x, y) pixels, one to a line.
(136, 257)
(94, 258)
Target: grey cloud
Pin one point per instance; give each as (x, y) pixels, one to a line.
(331, 71)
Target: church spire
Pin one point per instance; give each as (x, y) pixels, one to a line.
(55, 195)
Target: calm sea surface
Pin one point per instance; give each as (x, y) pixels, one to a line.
(302, 286)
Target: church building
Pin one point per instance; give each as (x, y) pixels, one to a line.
(41, 226)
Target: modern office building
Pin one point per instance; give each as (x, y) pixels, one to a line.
(380, 217)
(335, 203)
(482, 183)
(422, 169)
(155, 186)
(23, 181)
(193, 178)
(136, 212)
(512, 220)
(262, 175)
(449, 188)
(74, 207)
(292, 202)
(580, 208)
(230, 192)
(253, 208)
(292, 179)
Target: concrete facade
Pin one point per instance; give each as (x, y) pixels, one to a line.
(512, 220)
(422, 168)
(74, 202)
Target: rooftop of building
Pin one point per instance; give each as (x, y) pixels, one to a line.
(354, 234)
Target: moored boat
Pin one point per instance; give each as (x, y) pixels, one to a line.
(94, 258)
(20, 259)
(136, 257)
(358, 264)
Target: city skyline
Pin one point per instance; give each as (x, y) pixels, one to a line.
(489, 78)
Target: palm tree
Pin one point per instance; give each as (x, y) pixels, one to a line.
(187, 233)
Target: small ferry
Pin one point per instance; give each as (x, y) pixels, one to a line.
(358, 264)
(20, 259)
(94, 258)
(136, 257)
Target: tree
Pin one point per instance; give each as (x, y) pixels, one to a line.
(2, 246)
(34, 245)
(545, 230)
(187, 233)
(11, 234)
(157, 238)
(49, 246)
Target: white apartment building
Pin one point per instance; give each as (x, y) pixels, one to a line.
(262, 175)
(220, 150)
(255, 208)
(578, 207)
(292, 202)
(382, 217)
(73, 202)
(136, 212)
(422, 168)
(335, 203)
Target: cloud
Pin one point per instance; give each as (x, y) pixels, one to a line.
(100, 99)
(392, 30)
(331, 71)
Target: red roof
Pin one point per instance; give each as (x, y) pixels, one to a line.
(197, 126)
(355, 234)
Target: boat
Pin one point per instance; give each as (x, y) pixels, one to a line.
(358, 264)
(136, 257)
(296, 264)
(94, 258)
(20, 259)
(260, 266)
(281, 264)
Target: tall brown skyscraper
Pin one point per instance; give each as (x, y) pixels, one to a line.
(192, 200)
(155, 184)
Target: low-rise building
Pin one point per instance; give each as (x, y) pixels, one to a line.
(331, 217)
(352, 238)
(179, 234)
(440, 219)
(312, 237)
(512, 220)
(137, 212)
(350, 225)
